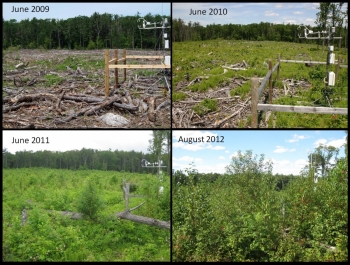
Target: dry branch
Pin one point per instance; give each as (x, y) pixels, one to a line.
(30, 97)
(234, 68)
(59, 101)
(217, 124)
(106, 103)
(16, 107)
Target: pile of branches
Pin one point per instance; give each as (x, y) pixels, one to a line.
(230, 109)
(26, 105)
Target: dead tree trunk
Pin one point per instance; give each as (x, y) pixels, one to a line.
(136, 218)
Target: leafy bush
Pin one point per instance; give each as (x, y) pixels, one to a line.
(91, 45)
(241, 216)
(90, 202)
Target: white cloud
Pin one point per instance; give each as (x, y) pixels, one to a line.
(189, 159)
(287, 167)
(280, 149)
(296, 138)
(194, 147)
(178, 145)
(227, 151)
(300, 163)
(280, 163)
(337, 143)
(290, 21)
(297, 12)
(279, 5)
(218, 147)
(221, 157)
(320, 142)
(310, 20)
(235, 154)
(270, 13)
(292, 150)
(175, 165)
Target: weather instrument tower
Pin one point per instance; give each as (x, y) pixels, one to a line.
(329, 80)
(163, 25)
(159, 165)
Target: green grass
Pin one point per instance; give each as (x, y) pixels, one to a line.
(52, 237)
(53, 80)
(177, 96)
(205, 106)
(206, 58)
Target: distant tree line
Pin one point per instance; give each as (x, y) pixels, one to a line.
(330, 14)
(84, 159)
(179, 177)
(95, 32)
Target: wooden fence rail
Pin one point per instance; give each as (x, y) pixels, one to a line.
(114, 64)
(302, 109)
(310, 62)
(257, 91)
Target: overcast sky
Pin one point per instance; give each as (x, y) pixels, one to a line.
(64, 140)
(70, 10)
(288, 150)
(247, 13)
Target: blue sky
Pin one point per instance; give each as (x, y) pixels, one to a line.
(70, 10)
(247, 13)
(287, 149)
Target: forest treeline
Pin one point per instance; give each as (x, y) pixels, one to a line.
(329, 15)
(181, 178)
(193, 31)
(129, 161)
(87, 158)
(95, 32)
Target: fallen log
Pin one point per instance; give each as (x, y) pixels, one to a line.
(30, 97)
(84, 98)
(126, 106)
(106, 103)
(123, 215)
(143, 220)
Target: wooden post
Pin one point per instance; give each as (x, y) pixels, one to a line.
(270, 83)
(337, 70)
(116, 69)
(106, 73)
(124, 63)
(127, 190)
(279, 65)
(254, 94)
